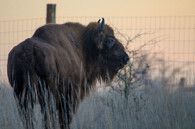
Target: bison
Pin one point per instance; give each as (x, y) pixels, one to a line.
(66, 59)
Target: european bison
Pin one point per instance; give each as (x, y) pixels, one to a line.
(67, 60)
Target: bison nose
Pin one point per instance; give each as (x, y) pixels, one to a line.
(126, 58)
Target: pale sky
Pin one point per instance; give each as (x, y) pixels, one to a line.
(15, 31)
(22, 9)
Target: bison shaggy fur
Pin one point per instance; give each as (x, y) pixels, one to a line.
(66, 59)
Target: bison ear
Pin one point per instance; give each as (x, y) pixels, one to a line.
(98, 40)
(110, 43)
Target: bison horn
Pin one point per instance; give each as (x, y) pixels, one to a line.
(99, 20)
(101, 25)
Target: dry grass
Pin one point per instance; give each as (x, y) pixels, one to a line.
(154, 108)
(151, 107)
(9, 115)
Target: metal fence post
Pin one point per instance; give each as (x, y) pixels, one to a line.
(51, 13)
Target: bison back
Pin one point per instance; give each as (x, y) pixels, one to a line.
(35, 60)
(27, 65)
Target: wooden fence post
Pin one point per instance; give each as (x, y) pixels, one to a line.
(51, 13)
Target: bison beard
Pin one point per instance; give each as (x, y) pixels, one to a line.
(65, 59)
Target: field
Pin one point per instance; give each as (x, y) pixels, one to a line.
(149, 106)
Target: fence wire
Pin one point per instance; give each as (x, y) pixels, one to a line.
(171, 39)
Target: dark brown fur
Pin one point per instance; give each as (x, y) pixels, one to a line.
(65, 59)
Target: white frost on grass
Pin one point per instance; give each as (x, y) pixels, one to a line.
(151, 108)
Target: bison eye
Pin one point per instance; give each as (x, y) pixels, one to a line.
(110, 43)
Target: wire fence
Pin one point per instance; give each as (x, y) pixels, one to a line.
(171, 38)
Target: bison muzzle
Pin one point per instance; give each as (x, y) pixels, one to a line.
(67, 60)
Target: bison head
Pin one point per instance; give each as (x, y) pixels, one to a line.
(108, 50)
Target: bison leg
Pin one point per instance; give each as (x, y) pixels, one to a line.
(45, 96)
(67, 105)
(64, 112)
(42, 103)
(25, 99)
